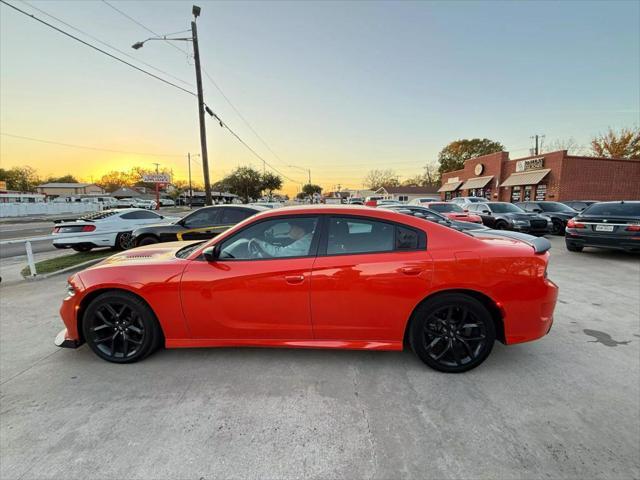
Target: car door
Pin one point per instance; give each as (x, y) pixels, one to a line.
(368, 277)
(484, 211)
(244, 297)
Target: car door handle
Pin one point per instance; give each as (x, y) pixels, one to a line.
(294, 279)
(411, 270)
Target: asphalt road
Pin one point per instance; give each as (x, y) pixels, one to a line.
(567, 406)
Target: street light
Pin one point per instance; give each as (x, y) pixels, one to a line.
(201, 106)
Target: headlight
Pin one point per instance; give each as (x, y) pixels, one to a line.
(71, 291)
(521, 222)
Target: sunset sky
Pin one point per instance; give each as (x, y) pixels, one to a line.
(338, 87)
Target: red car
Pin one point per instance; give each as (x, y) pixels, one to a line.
(343, 277)
(453, 212)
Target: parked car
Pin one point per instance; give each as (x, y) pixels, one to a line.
(453, 212)
(266, 204)
(167, 202)
(611, 225)
(559, 213)
(462, 201)
(318, 277)
(109, 228)
(201, 224)
(507, 216)
(127, 203)
(387, 202)
(579, 205)
(422, 200)
(106, 202)
(433, 216)
(148, 204)
(355, 201)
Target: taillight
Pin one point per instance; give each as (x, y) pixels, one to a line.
(573, 224)
(633, 228)
(88, 228)
(56, 230)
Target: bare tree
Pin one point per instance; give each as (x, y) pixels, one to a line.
(431, 173)
(568, 144)
(381, 178)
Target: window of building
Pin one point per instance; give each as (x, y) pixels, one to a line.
(527, 193)
(403, 198)
(515, 194)
(541, 192)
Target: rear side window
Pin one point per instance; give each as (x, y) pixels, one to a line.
(355, 235)
(139, 215)
(234, 215)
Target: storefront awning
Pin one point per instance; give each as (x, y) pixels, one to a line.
(532, 177)
(477, 182)
(450, 187)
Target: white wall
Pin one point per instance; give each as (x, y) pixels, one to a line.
(25, 209)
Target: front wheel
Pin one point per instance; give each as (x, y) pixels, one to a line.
(452, 333)
(558, 228)
(148, 240)
(119, 327)
(124, 241)
(501, 225)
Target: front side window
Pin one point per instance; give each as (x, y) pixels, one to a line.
(231, 216)
(278, 238)
(205, 217)
(505, 208)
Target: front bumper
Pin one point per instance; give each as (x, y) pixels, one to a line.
(63, 341)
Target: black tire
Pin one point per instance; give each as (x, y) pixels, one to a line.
(120, 328)
(502, 225)
(124, 241)
(148, 240)
(558, 228)
(574, 248)
(82, 248)
(462, 323)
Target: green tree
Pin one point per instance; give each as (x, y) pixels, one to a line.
(22, 179)
(63, 179)
(376, 179)
(245, 182)
(453, 156)
(622, 144)
(271, 182)
(310, 188)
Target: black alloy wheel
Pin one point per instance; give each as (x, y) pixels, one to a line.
(558, 227)
(452, 333)
(119, 327)
(124, 241)
(148, 240)
(501, 225)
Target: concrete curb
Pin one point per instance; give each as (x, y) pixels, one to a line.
(79, 266)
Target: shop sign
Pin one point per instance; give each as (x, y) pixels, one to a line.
(453, 180)
(515, 194)
(479, 169)
(527, 193)
(530, 164)
(156, 178)
(541, 192)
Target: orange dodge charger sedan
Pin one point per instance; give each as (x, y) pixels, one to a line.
(345, 277)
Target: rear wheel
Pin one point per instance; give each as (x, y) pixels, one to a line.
(124, 241)
(82, 248)
(501, 225)
(452, 333)
(148, 240)
(574, 248)
(119, 327)
(558, 228)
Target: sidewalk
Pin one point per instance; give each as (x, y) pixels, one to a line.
(11, 267)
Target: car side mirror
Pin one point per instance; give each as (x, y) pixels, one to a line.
(211, 254)
(486, 211)
(466, 210)
(537, 210)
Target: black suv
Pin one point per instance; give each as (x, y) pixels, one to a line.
(507, 216)
(559, 213)
(201, 224)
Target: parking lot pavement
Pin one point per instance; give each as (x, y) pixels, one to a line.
(565, 406)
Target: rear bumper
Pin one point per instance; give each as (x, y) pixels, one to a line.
(532, 319)
(615, 242)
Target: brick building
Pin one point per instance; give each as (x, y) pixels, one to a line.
(550, 176)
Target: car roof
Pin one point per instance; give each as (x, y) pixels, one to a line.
(259, 208)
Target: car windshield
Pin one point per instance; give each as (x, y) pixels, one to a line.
(186, 251)
(446, 207)
(505, 208)
(555, 207)
(614, 210)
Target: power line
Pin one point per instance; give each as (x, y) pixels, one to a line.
(153, 75)
(140, 24)
(215, 84)
(109, 45)
(86, 147)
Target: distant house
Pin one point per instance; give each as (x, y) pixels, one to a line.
(406, 194)
(53, 190)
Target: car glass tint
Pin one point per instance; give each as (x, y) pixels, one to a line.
(555, 207)
(406, 239)
(505, 208)
(231, 216)
(351, 235)
(613, 210)
(446, 207)
(205, 217)
(139, 215)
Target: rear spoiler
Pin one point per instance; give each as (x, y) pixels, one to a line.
(71, 220)
(539, 244)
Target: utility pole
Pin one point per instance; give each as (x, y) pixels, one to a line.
(190, 189)
(157, 187)
(203, 131)
(536, 150)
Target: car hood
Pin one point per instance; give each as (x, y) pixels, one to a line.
(156, 253)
